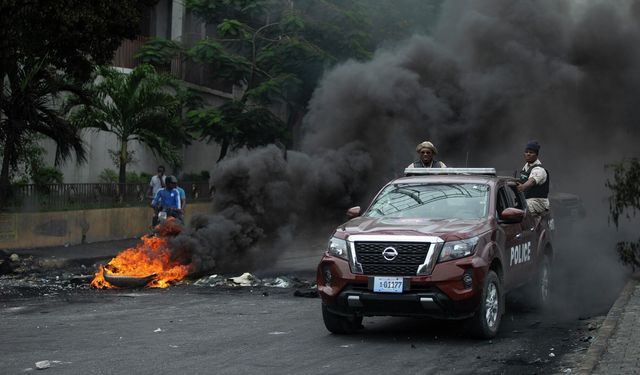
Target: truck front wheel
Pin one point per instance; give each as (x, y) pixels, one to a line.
(487, 319)
(339, 324)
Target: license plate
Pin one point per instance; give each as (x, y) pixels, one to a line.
(388, 284)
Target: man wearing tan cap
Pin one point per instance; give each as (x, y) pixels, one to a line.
(426, 151)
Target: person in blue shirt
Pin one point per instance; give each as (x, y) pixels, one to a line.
(168, 198)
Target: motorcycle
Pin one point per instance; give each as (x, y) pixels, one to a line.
(164, 213)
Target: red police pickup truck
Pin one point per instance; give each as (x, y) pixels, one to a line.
(446, 243)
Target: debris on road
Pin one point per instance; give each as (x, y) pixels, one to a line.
(42, 365)
(211, 280)
(246, 279)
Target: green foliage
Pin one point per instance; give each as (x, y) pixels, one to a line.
(277, 50)
(625, 189)
(233, 67)
(141, 106)
(146, 177)
(629, 253)
(234, 28)
(47, 175)
(27, 161)
(625, 200)
(158, 51)
(203, 176)
(134, 178)
(40, 43)
(215, 11)
(73, 34)
(28, 112)
(108, 175)
(236, 125)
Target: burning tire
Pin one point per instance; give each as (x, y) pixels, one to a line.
(486, 321)
(340, 324)
(122, 281)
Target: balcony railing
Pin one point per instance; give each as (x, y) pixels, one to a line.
(60, 197)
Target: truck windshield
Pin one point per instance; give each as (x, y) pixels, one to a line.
(431, 201)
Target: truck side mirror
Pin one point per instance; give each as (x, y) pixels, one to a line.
(511, 215)
(353, 212)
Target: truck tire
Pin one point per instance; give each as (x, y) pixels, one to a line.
(339, 324)
(540, 290)
(486, 321)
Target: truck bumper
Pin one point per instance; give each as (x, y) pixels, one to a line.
(421, 303)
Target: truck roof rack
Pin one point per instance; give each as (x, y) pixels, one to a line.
(449, 171)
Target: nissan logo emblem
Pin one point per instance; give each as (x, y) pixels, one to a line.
(389, 253)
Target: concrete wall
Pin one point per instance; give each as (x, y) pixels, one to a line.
(40, 229)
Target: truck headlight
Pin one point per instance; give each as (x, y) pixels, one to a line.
(338, 247)
(458, 249)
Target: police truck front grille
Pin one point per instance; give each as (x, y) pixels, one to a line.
(410, 256)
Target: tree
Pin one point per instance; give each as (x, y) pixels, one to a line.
(625, 201)
(29, 111)
(276, 50)
(74, 34)
(139, 106)
(39, 42)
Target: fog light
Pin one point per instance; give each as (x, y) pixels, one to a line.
(326, 273)
(467, 279)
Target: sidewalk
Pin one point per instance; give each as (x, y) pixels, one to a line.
(616, 349)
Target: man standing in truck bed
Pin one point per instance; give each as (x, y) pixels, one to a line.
(426, 152)
(534, 180)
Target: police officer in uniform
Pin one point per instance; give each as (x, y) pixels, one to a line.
(534, 180)
(426, 152)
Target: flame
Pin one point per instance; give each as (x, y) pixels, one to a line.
(151, 256)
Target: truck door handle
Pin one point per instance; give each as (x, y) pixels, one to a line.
(518, 235)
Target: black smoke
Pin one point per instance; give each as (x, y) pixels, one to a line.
(262, 199)
(493, 75)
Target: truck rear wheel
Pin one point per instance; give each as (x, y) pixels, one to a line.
(486, 321)
(540, 289)
(340, 324)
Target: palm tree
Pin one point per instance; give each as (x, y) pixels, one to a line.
(138, 106)
(28, 110)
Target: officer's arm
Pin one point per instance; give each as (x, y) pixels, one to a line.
(529, 183)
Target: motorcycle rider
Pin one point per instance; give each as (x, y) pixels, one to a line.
(168, 198)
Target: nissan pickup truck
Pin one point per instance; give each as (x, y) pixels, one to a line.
(443, 243)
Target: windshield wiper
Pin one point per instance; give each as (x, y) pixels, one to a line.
(408, 193)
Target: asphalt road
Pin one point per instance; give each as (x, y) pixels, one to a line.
(191, 329)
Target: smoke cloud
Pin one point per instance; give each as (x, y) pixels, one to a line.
(493, 75)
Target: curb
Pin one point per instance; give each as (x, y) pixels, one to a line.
(599, 345)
